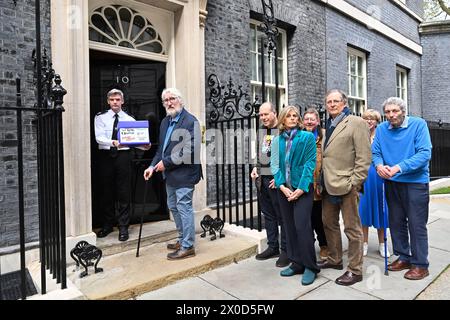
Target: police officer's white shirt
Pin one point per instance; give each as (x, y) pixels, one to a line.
(103, 123)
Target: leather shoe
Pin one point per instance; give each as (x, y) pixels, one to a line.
(399, 265)
(324, 264)
(104, 232)
(174, 245)
(123, 234)
(268, 253)
(416, 273)
(348, 278)
(181, 253)
(283, 260)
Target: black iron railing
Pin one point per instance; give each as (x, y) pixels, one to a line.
(47, 113)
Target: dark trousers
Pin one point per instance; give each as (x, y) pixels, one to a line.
(115, 173)
(297, 223)
(317, 224)
(408, 214)
(270, 208)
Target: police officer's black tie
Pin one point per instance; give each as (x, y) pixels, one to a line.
(114, 135)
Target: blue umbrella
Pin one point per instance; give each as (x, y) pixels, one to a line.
(386, 273)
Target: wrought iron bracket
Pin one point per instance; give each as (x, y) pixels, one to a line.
(52, 94)
(269, 26)
(227, 101)
(212, 225)
(84, 253)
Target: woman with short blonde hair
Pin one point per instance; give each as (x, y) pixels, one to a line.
(292, 163)
(371, 201)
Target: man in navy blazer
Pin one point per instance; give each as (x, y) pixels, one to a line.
(178, 159)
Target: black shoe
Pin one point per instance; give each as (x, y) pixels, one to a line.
(283, 260)
(267, 254)
(123, 234)
(104, 232)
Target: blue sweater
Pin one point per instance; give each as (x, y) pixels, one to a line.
(302, 160)
(409, 147)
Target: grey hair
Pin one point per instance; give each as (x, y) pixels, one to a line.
(397, 101)
(175, 92)
(272, 107)
(113, 92)
(342, 93)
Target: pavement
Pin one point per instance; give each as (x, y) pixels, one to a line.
(226, 269)
(250, 279)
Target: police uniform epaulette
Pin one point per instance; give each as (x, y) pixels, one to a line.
(101, 112)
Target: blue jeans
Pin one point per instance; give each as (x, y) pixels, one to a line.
(408, 213)
(179, 201)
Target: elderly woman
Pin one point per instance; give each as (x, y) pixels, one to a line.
(292, 162)
(371, 201)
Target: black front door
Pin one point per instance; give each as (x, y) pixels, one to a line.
(142, 82)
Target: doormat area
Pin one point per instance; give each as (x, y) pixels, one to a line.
(10, 285)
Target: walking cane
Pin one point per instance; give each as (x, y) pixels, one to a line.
(386, 273)
(142, 216)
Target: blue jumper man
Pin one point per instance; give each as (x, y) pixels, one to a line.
(401, 152)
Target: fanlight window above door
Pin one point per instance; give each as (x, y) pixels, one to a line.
(124, 27)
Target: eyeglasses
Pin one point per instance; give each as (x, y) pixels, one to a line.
(333, 101)
(171, 99)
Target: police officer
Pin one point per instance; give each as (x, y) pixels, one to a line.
(115, 169)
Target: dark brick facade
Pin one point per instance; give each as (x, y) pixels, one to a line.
(435, 71)
(227, 36)
(17, 41)
(383, 55)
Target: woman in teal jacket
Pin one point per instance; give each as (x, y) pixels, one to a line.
(292, 162)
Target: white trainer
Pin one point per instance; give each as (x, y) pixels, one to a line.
(365, 248)
(381, 250)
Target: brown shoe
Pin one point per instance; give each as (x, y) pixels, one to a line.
(399, 265)
(348, 278)
(324, 264)
(323, 254)
(181, 254)
(416, 273)
(174, 245)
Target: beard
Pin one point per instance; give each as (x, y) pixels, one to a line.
(173, 112)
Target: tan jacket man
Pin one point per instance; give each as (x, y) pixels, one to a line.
(346, 157)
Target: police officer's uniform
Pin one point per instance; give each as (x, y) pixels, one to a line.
(115, 172)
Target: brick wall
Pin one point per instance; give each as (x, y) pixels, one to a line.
(227, 36)
(17, 41)
(391, 15)
(436, 76)
(382, 57)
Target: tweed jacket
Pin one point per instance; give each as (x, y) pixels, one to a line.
(346, 156)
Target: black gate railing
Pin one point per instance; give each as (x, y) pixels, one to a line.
(235, 124)
(47, 115)
(440, 139)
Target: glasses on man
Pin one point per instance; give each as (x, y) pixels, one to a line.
(171, 99)
(333, 101)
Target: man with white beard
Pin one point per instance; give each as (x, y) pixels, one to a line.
(178, 159)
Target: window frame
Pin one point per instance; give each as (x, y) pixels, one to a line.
(362, 95)
(270, 86)
(404, 80)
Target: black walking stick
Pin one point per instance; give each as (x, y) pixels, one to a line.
(142, 217)
(386, 273)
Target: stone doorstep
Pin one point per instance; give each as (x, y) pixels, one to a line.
(125, 276)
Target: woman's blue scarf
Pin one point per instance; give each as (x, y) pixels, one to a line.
(289, 137)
